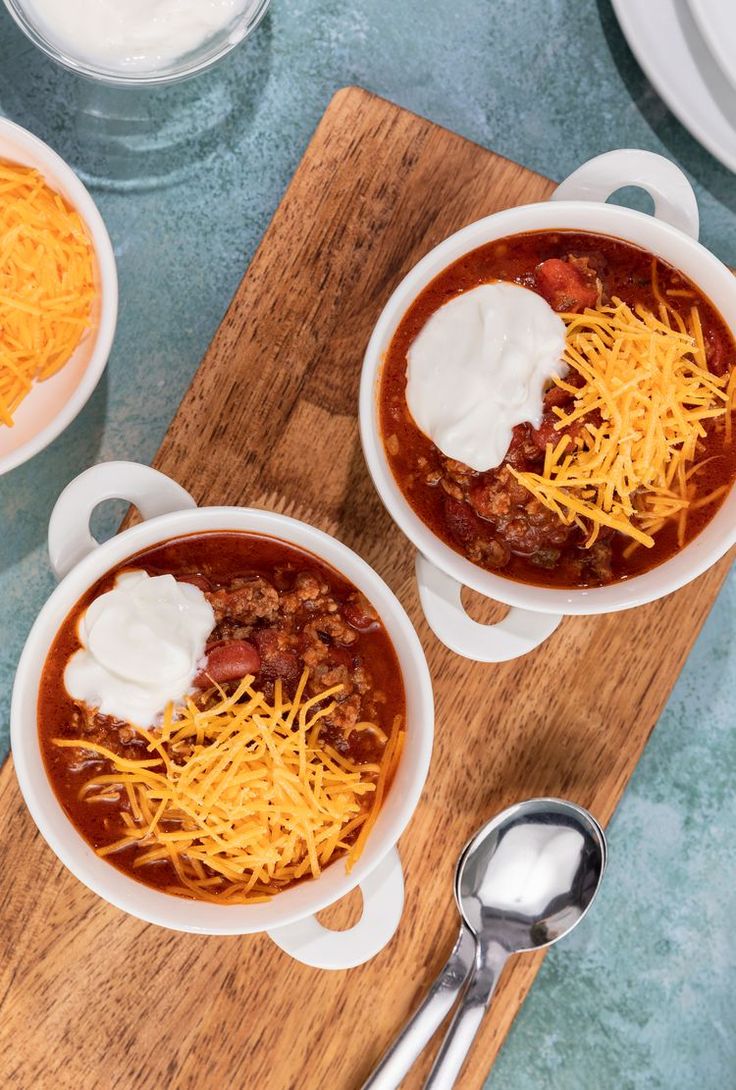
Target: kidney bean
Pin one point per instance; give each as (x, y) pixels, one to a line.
(228, 662)
(360, 614)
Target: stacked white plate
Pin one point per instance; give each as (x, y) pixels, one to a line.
(687, 48)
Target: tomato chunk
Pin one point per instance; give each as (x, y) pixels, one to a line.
(564, 286)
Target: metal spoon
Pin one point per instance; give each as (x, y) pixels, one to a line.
(523, 881)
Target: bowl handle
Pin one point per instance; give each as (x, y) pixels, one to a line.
(383, 902)
(70, 539)
(673, 196)
(519, 632)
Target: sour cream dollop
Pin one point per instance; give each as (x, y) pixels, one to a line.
(478, 368)
(142, 645)
(133, 34)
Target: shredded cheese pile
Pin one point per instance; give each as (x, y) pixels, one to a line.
(648, 389)
(47, 283)
(243, 798)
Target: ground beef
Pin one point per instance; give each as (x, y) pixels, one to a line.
(294, 622)
(245, 601)
(106, 730)
(521, 521)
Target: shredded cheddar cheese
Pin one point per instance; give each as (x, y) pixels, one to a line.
(47, 283)
(642, 408)
(242, 797)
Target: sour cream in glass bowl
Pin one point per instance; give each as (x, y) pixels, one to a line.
(137, 42)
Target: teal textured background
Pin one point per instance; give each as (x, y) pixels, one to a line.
(642, 996)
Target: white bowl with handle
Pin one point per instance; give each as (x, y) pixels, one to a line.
(578, 204)
(51, 406)
(289, 918)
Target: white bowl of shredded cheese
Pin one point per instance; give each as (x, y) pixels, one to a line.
(51, 405)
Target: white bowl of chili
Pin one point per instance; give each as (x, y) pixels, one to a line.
(170, 515)
(577, 208)
(51, 405)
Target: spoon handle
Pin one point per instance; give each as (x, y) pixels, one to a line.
(490, 960)
(419, 1029)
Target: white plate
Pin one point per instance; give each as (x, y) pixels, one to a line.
(716, 20)
(667, 44)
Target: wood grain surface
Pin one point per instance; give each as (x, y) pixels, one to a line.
(94, 999)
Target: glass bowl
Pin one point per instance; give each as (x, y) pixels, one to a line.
(189, 64)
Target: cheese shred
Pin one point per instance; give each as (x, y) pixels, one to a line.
(47, 284)
(642, 401)
(242, 797)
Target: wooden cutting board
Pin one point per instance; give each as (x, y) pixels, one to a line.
(92, 999)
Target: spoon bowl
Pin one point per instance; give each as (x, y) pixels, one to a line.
(530, 874)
